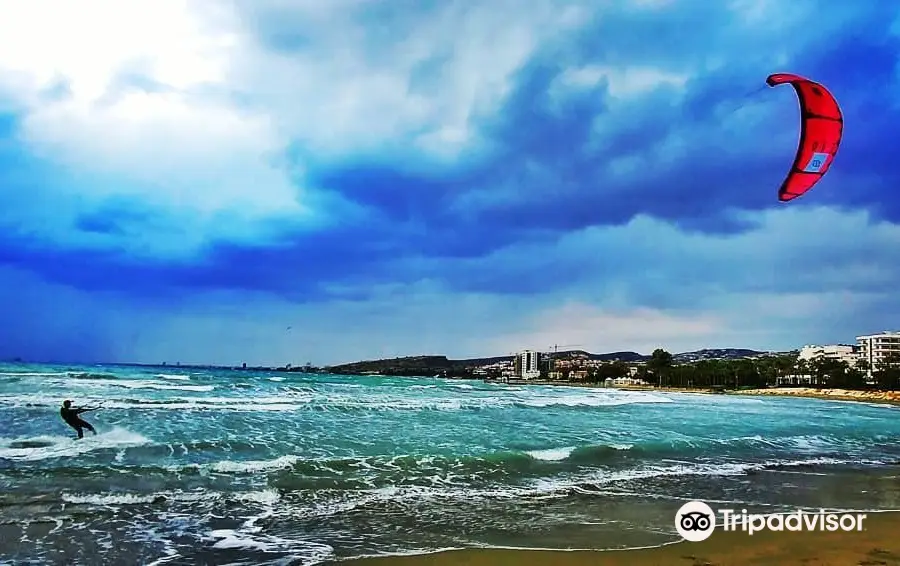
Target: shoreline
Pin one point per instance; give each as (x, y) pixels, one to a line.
(877, 544)
(859, 395)
(832, 394)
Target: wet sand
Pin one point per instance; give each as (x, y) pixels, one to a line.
(876, 545)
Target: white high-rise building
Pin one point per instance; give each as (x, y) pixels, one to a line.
(839, 352)
(528, 364)
(874, 348)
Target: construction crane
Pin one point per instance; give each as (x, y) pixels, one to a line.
(556, 347)
(554, 351)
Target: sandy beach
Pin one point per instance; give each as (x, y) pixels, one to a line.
(867, 396)
(876, 545)
(836, 394)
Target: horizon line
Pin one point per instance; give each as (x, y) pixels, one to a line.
(240, 365)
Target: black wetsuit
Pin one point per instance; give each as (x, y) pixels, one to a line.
(70, 415)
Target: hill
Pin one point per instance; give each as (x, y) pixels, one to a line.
(716, 354)
(411, 365)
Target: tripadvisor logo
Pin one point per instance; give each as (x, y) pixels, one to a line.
(695, 521)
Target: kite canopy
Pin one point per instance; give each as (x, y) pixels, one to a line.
(821, 128)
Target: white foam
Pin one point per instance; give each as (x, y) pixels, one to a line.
(570, 549)
(137, 384)
(251, 466)
(811, 443)
(249, 537)
(592, 399)
(410, 552)
(241, 404)
(276, 378)
(164, 386)
(108, 500)
(261, 497)
(602, 477)
(230, 538)
(551, 454)
(264, 497)
(174, 377)
(68, 446)
(889, 406)
(293, 399)
(31, 373)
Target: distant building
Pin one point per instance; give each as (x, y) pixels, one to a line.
(527, 364)
(839, 352)
(547, 364)
(796, 379)
(623, 381)
(874, 348)
(578, 375)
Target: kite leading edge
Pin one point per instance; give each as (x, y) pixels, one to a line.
(821, 128)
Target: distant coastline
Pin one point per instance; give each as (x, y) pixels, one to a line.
(704, 371)
(428, 365)
(733, 371)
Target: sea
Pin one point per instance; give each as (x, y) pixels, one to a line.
(217, 466)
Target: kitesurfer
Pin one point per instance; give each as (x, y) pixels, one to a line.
(71, 416)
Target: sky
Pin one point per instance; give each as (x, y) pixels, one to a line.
(283, 181)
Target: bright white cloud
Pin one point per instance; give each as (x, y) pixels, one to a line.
(785, 279)
(354, 88)
(596, 329)
(616, 267)
(170, 151)
(207, 140)
(87, 43)
(622, 83)
(181, 150)
(782, 241)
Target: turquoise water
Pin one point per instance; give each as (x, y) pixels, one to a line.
(229, 466)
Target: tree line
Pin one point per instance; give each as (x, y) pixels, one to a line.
(661, 370)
